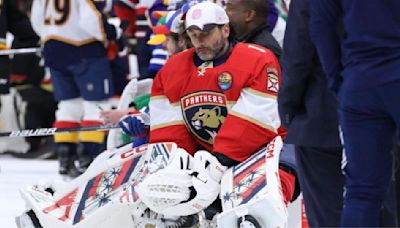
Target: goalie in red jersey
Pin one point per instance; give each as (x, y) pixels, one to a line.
(220, 96)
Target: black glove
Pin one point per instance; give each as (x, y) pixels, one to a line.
(224, 160)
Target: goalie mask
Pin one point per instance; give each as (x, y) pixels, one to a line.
(186, 186)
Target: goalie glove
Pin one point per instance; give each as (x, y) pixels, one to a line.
(186, 186)
(168, 187)
(208, 165)
(206, 177)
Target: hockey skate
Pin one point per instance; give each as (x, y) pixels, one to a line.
(66, 157)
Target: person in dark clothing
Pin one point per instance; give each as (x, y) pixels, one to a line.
(308, 110)
(396, 152)
(39, 106)
(14, 21)
(363, 67)
(248, 20)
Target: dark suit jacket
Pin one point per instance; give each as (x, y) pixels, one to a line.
(263, 37)
(306, 106)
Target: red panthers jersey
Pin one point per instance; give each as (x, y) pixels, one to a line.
(230, 108)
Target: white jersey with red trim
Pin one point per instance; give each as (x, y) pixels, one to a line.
(230, 108)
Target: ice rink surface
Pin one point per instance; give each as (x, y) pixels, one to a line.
(16, 174)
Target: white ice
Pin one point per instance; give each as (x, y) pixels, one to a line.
(16, 174)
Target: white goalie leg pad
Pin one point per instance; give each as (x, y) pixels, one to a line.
(63, 204)
(110, 215)
(106, 160)
(253, 188)
(79, 203)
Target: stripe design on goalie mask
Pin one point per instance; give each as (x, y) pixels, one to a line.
(99, 188)
(249, 178)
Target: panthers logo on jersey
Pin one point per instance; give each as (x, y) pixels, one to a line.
(204, 113)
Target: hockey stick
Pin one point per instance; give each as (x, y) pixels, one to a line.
(18, 51)
(52, 131)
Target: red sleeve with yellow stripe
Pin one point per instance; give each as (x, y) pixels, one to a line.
(254, 120)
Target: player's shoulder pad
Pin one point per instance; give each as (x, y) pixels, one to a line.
(253, 50)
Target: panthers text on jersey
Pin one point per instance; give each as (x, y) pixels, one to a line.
(230, 108)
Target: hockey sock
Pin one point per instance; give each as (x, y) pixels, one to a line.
(287, 184)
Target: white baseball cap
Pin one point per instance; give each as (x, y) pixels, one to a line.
(205, 15)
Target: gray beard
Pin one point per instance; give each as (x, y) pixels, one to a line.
(215, 52)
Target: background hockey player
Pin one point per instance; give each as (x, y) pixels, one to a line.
(15, 22)
(170, 33)
(75, 35)
(208, 98)
(28, 77)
